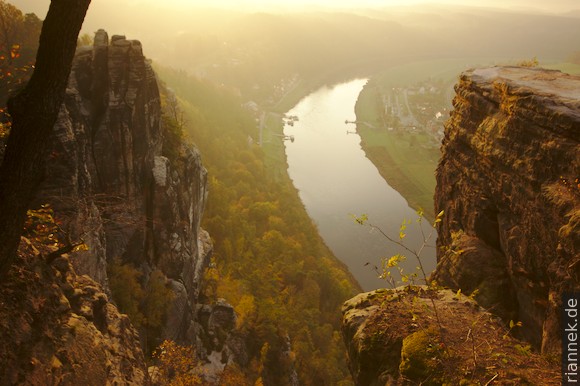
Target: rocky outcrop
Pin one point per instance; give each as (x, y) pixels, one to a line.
(414, 336)
(220, 343)
(58, 328)
(114, 181)
(508, 183)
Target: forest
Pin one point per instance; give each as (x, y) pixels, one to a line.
(270, 262)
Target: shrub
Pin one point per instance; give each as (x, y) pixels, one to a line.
(177, 365)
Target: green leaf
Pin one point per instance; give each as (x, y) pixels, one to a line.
(361, 220)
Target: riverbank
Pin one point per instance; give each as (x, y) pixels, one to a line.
(336, 180)
(405, 107)
(407, 161)
(273, 128)
(404, 150)
(276, 162)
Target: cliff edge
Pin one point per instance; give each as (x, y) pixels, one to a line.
(508, 183)
(415, 335)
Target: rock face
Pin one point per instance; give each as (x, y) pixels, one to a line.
(508, 183)
(220, 344)
(58, 328)
(114, 183)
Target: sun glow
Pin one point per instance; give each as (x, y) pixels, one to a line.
(41, 6)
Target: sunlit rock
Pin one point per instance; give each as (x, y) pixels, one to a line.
(508, 183)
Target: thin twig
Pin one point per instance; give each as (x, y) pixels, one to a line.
(417, 255)
(473, 349)
(491, 380)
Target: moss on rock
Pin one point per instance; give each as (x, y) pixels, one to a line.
(420, 357)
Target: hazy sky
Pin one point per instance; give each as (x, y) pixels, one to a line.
(40, 6)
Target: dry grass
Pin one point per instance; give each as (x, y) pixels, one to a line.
(476, 348)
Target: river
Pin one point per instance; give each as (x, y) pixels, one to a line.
(335, 180)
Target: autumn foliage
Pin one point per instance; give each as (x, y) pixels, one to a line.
(176, 365)
(145, 300)
(270, 263)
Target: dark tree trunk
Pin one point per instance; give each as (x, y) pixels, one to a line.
(34, 112)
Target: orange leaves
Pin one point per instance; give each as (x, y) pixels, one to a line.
(572, 184)
(15, 51)
(4, 129)
(177, 365)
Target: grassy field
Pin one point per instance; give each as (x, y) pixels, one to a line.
(273, 146)
(406, 160)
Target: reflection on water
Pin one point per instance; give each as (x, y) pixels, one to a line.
(335, 180)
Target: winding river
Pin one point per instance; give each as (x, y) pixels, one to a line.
(335, 180)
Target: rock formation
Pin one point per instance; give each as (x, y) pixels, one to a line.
(113, 184)
(58, 328)
(508, 183)
(122, 181)
(394, 337)
(219, 344)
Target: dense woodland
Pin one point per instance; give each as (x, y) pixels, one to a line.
(270, 263)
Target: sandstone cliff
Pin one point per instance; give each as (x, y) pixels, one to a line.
(508, 182)
(112, 185)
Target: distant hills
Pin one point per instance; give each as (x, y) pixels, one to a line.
(246, 50)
